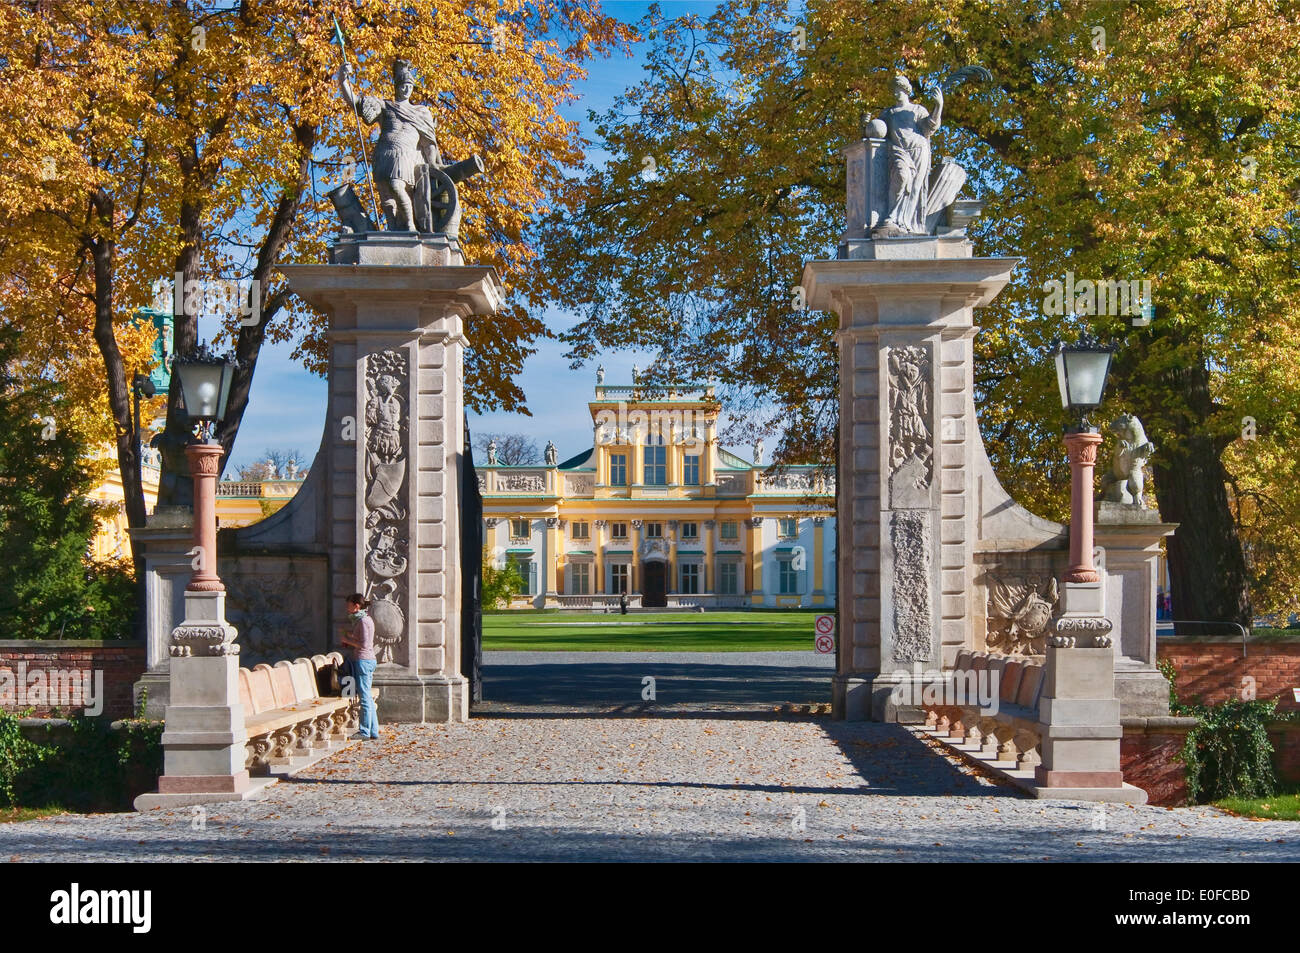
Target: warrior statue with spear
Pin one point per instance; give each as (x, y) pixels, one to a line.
(417, 189)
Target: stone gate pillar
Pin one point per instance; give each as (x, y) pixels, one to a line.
(908, 496)
(393, 443)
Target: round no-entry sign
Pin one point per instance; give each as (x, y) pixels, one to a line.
(825, 638)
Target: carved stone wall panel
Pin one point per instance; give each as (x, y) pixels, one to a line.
(910, 442)
(279, 604)
(386, 545)
(913, 609)
(579, 485)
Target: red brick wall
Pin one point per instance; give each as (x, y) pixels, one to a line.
(1214, 669)
(122, 664)
(1146, 756)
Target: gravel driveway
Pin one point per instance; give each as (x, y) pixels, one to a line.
(694, 786)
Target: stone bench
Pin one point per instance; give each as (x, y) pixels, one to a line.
(1008, 739)
(289, 721)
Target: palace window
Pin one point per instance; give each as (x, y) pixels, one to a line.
(520, 529)
(618, 577)
(788, 527)
(730, 529)
(656, 461)
(691, 477)
(618, 530)
(654, 530)
(618, 469)
(690, 578)
(690, 531)
(787, 577)
(580, 579)
(582, 530)
(729, 578)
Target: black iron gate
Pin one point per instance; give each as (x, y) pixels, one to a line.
(471, 569)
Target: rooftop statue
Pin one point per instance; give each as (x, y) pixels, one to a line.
(417, 188)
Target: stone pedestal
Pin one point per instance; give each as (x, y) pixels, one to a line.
(1079, 727)
(393, 444)
(909, 447)
(166, 540)
(204, 738)
(1129, 537)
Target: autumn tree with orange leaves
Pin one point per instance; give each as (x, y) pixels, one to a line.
(144, 140)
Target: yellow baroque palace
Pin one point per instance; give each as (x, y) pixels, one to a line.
(658, 510)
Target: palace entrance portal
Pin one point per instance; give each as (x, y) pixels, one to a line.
(654, 589)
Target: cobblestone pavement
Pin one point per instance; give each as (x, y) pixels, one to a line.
(702, 785)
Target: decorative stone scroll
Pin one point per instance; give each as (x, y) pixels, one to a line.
(387, 547)
(1093, 631)
(913, 613)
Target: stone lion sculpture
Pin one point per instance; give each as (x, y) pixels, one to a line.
(1124, 482)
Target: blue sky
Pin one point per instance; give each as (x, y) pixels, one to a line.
(287, 403)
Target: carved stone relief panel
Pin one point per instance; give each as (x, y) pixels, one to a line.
(911, 442)
(1020, 610)
(279, 605)
(913, 620)
(387, 547)
(579, 485)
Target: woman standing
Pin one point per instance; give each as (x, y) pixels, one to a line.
(362, 644)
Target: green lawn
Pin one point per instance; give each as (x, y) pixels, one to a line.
(772, 631)
(1282, 807)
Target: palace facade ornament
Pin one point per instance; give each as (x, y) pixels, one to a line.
(636, 524)
(657, 548)
(491, 522)
(521, 482)
(756, 522)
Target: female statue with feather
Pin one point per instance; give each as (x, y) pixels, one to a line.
(907, 127)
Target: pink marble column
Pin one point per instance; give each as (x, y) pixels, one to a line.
(205, 465)
(1082, 451)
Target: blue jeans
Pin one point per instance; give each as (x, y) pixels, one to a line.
(369, 718)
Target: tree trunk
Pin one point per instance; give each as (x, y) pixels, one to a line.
(1207, 568)
(119, 398)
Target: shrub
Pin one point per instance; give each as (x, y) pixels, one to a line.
(1228, 753)
(85, 765)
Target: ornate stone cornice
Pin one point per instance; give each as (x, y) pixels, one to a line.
(1092, 630)
(203, 640)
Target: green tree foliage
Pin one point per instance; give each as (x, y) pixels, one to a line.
(499, 585)
(1117, 141)
(48, 587)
